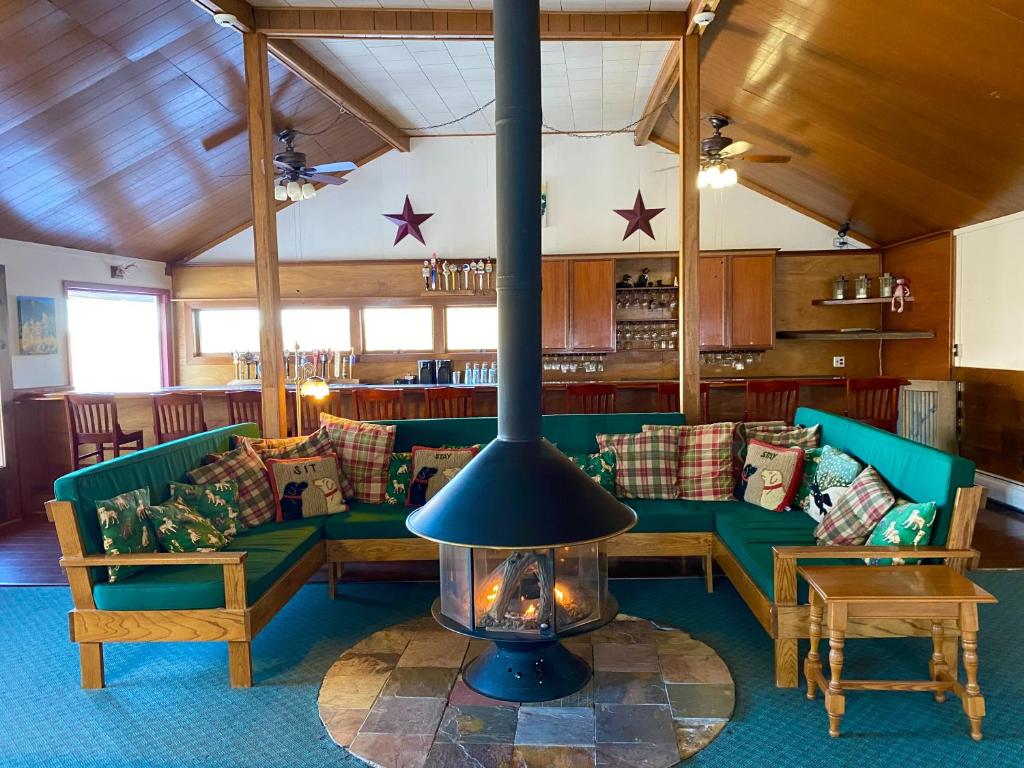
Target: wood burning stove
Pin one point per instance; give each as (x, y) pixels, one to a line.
(521, 528)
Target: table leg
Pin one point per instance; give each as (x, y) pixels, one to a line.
(937, 665)
(835, 701)
(974, 703)
(812, 664)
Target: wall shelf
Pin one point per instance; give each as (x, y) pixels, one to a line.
(877, 300)
(854, 335)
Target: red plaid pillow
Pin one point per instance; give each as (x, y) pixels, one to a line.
(316, 445)
(646, 464)
(857, 512)
(783, 435)
(256, 503)
(364, 451)
(705, 460)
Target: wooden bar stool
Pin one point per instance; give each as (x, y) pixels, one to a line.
(312, 408)
(177, 415)
(875, 401)
(590, 398)
(379, 404)
(92, 420)
(668, 396)
(448, 402)
(772, 400)
(244, 406)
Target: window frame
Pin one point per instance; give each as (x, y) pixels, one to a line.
(163, 297)
(447, 346)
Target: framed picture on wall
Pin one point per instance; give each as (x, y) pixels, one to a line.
(37, 325)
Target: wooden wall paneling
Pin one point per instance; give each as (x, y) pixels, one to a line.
(554, 304)
(713, 286)
(751, 293)
(930, 266)
(992, 420)
(592, 302)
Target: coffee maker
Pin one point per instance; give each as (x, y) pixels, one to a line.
(443, 371)
(428, 371)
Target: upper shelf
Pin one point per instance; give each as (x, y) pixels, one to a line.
(854, 335)
(878, 300)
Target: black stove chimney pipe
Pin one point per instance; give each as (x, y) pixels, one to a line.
(518, 169)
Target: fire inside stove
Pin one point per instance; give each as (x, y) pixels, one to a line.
(543, 592)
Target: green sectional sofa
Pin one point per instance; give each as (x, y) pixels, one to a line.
(230, 595)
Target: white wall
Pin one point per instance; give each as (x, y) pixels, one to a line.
(39, 270)
(453, 178)
(989, 310)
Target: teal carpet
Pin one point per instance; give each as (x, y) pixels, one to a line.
(170, 704)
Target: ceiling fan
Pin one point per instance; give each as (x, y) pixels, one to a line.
(294, 179)
(716, 148)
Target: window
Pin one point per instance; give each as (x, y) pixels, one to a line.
(398, 329)
(471, 328)
(223, 331)
(116, 339)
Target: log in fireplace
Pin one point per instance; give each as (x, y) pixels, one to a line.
(521, 528)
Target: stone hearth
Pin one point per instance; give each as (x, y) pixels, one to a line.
(396, 699)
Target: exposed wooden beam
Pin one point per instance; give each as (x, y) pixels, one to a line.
(264, 221)
(699, 6)
(473, 25)
(240, 9)
(661, 92)
(689, 227)
(321, 78)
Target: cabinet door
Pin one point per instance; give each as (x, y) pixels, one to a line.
(554, 304)
(592, 318)
(712, 302)
(751, 291)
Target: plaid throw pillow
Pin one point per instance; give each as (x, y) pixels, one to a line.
(316, 445)
(255, 496)
(364, 452)
(857, 512)
(705, 460)
(646, 464)
(783, 435)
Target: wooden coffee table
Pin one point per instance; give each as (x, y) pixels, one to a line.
(906, 592)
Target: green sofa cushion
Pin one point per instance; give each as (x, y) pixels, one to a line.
(273, 549)
(369, 521)
(153, 468)
(673, 515)
(913, 471)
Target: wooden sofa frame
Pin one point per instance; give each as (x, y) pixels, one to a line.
(237, 623)
(788, 622)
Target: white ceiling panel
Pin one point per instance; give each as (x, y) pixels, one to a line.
(587, 86)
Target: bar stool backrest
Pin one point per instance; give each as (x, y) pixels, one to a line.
(245, 406)
(91, 418)
(312, 408)
(177, 415)
(772, 400)
(874, 401)
(379, 404)
(590, 398)
(448, 402)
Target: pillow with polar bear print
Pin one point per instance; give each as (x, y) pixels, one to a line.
(771, 475)
(306, 487)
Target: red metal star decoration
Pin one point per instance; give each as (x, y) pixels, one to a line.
(408, 222)
(639, 217)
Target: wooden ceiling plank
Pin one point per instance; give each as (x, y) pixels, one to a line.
(331, 86)
(661, 93)
(240, 9)
(278, 22)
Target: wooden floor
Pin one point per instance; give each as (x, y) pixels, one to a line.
(29, 553)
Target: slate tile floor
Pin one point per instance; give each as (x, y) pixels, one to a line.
(396, 700)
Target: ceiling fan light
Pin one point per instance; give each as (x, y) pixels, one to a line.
(280, 193)
(294, 190)
(308, 191)
(729, 177)
(702, 178)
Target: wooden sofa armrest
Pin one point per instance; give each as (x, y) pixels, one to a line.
(785, 560)
(235, 596)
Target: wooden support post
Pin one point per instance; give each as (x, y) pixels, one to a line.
(689, 226)
(264, 228)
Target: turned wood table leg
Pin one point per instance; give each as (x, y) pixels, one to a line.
(973, 702)
(937, 665)
(812, 664)
(835, 701)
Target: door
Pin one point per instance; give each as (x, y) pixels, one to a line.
(554, 304)
(593, 305)
(751, 284)
(712, 302)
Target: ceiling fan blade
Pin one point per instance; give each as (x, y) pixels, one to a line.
(667, 168)
(333, 167)
(323, 178)
(224, 135)
(767, 158)
(736, 148)
(283, 166)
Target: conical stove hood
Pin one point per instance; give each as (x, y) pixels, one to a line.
(520, 492)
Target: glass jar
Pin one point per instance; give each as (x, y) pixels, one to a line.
(839, 286)
(886, 284)
(862, 287)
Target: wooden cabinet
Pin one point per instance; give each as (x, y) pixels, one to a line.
(737, 300)
(554, 303)
(592, 305)
(578, 305)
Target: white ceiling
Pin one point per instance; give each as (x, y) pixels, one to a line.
(578, 6)
(587, 86)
